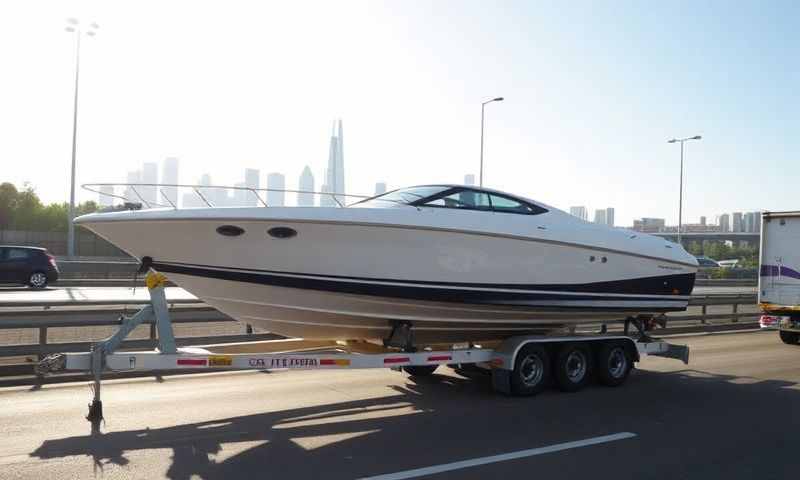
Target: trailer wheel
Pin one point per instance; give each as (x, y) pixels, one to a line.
(573, 367)
(789, 338)
(614, 363)
(420, 370)
(531, 372)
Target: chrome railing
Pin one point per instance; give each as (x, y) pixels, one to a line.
(157, 195)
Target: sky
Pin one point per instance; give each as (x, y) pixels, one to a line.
(593, 90)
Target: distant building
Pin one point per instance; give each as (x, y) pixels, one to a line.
(752, 222)
(169, 176)
(579, 212)
(757, 224)
(724, 222)
(105, 198)
(276, 183)
(737, 222)
(251, 180)
(306, 185)
(610, 216)
(649, 225)
(326, 200)
(600, 216)
(469, 179)
(150, 175)
(193, 200)
(131, 192)
(380, 188)
(334, 175)
(702, 220)
(241, 197)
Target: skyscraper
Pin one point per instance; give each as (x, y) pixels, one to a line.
(737, 222)
(150, 175)
(610, 216)
(306, 185)
(275, 182)
(469, 179)
(703, 220)
(579, 212)
(380, 188)
(724, 222)
(757, 224)
(251, 180)
(334, 175)
(169, 176)
(600, 216)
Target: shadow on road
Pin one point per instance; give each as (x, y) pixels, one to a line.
(447, 418)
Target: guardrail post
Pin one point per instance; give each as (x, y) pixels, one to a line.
(42, 341)
(704, 311)
(152, 331)
(735, 311)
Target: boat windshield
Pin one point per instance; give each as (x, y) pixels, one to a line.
(405, 196)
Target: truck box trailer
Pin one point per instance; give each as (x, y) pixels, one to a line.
(779, 273)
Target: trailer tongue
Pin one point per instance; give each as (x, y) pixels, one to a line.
(522, 365)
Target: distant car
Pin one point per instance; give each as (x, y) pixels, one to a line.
(705, 262)
(30, 266)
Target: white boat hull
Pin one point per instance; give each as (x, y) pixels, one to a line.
(346, 276)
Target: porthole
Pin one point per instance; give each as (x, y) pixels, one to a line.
(230, 230)
(604, 259)
(282, 232)
(591, 258)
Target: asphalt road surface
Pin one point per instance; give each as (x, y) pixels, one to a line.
(731, 414)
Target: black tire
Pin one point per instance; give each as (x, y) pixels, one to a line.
(614, 364)
(37, 280)
(531, 372)
(573, 367)
(789, 338)
(420, 370)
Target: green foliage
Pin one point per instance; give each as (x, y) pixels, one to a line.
(22, 210)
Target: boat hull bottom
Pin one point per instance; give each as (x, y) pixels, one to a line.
(313, 314)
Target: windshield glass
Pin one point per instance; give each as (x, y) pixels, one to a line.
(405, 196)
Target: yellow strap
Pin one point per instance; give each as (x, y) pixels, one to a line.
(155, 279)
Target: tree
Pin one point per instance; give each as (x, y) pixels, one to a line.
(8, 204)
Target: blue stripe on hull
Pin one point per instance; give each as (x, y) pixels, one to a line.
(554, 297)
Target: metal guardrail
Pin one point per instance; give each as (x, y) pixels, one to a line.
(183, 311)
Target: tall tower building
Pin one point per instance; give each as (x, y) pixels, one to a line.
(169, 176)
(380, 188)
(306, 185)
(610, 216)
(579, 212)
(150, 175)
(334, 175)
(275, 182)
(737, 222)
(600, 216)
(724, 222)
(703, 220)
(251, 180)
(757, 225)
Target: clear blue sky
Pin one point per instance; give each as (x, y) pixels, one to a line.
(593, 91)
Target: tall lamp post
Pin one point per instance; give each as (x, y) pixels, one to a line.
(483, 108)
(680, 195)
(74, 27)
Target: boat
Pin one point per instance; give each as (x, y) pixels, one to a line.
(446, 263)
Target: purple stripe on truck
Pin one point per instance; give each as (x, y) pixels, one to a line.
(779, 270)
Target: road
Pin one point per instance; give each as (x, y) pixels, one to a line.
(13, 296)
(730, 415)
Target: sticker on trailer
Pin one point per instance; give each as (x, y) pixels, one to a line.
(283, 362)
(192, 362)
(220, 361)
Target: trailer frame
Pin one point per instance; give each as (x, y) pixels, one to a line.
(500, 358)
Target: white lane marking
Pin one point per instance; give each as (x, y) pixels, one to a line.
(447, 467)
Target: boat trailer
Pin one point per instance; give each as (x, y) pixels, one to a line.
(514, 363)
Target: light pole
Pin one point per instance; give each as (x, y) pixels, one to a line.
(680, 195)
(74, 27)
(483, 108)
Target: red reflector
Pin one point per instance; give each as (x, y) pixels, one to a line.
(191, 361)
(439, 358)
(396, 360)
(327, 361)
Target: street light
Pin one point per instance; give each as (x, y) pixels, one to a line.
(680, 195)
(74, 27)
(483, 107)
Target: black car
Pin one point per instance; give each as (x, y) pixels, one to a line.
(28, 266)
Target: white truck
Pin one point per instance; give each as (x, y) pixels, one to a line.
(779, 274)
